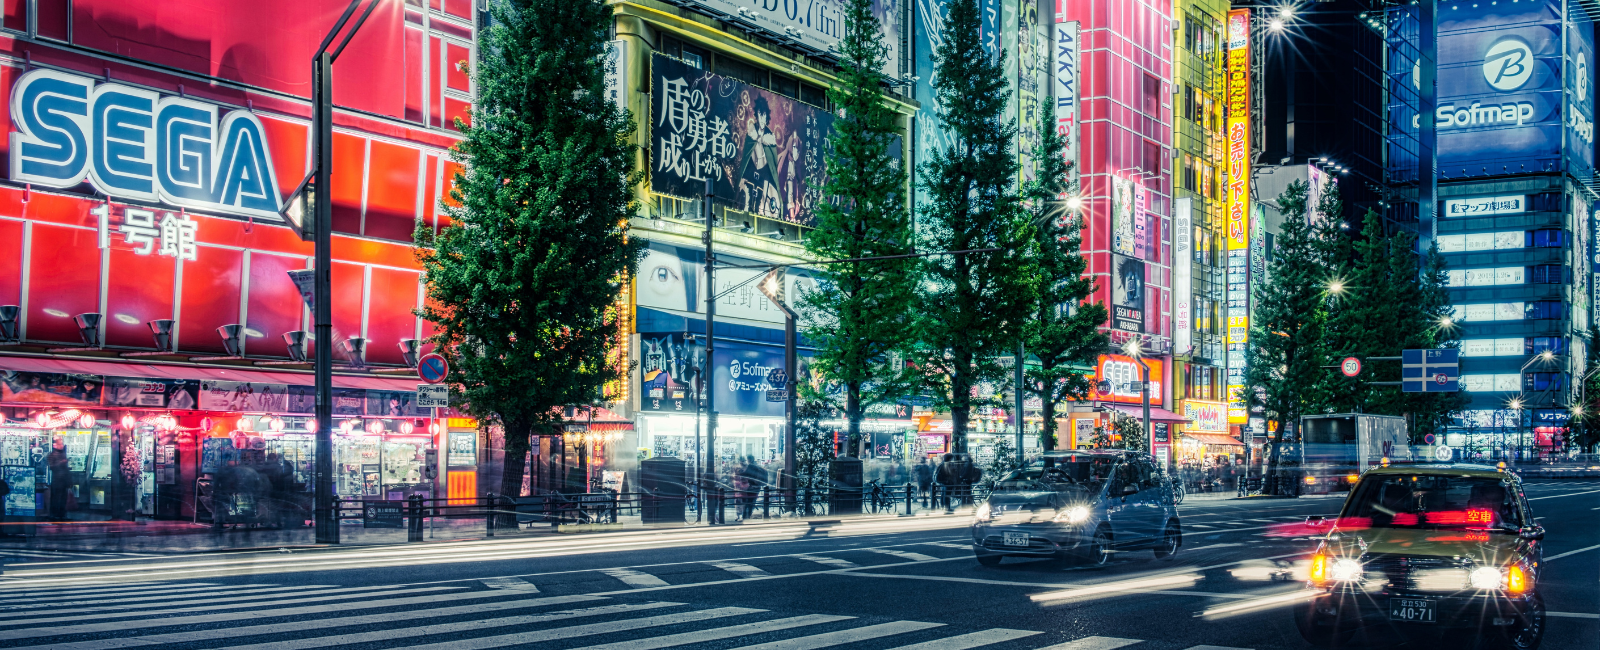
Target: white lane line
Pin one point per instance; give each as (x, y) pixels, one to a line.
(444, 628)
(845, 636)
(718, 633)
(524, 638)
(1094, 643)
(1195, 526)
(963, 547)
(1214, 647)
(908, 555)
(1557, 496)
(510, 584)
(973, 640)
(1581, 550)
(93, 628)
(1571, 615)
(320, 624)
(635, 579)
(210, 596)
(202, 605)
(740, 569)
(1197, 548)
(830, 561)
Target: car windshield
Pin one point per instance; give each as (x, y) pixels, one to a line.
(1071, 472)
(1432, 501)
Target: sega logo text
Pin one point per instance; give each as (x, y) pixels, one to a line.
(133, 143)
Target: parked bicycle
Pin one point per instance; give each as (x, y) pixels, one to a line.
(877, 500)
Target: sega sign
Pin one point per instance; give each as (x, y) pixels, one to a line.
(133, 143)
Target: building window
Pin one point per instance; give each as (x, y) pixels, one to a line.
(1546, 274)
(1545, 202)
(1538, 344)
(1151, 158)
(1543, 310)
(1188, 172)
(730, 67)
(786, 86)
(813, 95)
(688, 53)
(1549, 238)
(1543, 381)
(1152, 97)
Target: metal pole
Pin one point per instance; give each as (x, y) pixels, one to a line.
(1018, 378)
(709, 365)
(1144, 396)
(327, 522)
(793, 370)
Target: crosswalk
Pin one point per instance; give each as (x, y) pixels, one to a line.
(482, 614)
(28, 555)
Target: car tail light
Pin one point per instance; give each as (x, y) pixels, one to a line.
(1319, 569)
(1516, 579)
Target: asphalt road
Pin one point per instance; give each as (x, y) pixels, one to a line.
(870, 584)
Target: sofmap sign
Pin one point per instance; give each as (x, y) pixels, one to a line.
(133, 143)
(1486, 205)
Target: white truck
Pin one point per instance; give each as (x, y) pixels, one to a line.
(1335, 449)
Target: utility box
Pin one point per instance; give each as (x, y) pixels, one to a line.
(845, 496)
(665, 488)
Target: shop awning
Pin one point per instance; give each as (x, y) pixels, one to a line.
(1157, 414)
(1213, 439)
(202, 373)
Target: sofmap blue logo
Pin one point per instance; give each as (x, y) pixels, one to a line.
(133, 143)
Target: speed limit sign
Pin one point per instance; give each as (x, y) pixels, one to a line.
(1351, 366)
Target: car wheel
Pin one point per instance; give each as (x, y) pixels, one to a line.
(989, 559)
(1099, 551)
(1321, 636)
(1530, 631)
(1170, 540)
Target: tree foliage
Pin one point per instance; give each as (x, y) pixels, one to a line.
(1062, 331)
(523, 283)
(973, 305)
(859, 314)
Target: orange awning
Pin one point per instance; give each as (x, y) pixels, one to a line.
(1213, 439)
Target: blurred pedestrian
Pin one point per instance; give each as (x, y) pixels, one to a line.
(60, 480)
(923, 474)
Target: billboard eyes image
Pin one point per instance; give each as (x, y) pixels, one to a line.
(764, 153)
(1127, 294)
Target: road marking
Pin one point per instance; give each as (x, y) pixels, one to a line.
(719, 633)
(510, 584)
(204, 605)
(209, 597)
(973, 640)
(317, 624)
(740, 569)
(1214, 546)
(830, 561)
(92, 628)
(964, 547)
(635, 579)
(1199, 526)
(1571, 615)
(78, 591)
(845, 636)
(1557, 557)
(1094, 643)
(428, 630)
(523, 638)
(1214, 647)
(915, 557)
(1557, 496)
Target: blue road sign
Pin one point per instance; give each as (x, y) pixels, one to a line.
(1430, 371)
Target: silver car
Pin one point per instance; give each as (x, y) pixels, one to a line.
(1081, 505)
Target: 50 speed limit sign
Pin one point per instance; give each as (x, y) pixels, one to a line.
(1351, 366)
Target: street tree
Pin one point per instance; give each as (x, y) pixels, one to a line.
(523, 283)
(858, 317)
(1062, 332)
(1285, 373)
(973, 306)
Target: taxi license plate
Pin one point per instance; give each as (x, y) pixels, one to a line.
(1413, 610)
(1015, 539)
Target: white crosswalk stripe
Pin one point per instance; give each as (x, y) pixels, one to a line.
(845, 636)
(78, 591)
(830, 561)
(964, 547)
(504, 612)
(719, 633)
(740, 569)
(635, 579)
(103, 598)
(510, 584)
(905, 555)
(1094, 643)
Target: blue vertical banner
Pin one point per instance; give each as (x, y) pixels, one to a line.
(1579, 83)
(928, 36)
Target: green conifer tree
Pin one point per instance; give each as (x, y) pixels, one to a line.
(973, 306)
(1285, 374)
(523, 283)
(1063, 332)
(859, 316)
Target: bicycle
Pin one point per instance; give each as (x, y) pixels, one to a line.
(875, 497)
(1177, 490)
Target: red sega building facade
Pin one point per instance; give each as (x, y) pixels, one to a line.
(151, 145)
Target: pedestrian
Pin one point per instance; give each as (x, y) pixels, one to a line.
(757, 478)
(923, 474)
(5, 491)
(741, 485)
(60, 480)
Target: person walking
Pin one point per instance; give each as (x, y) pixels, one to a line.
(922, 473)
(756, 477)
(60, 480)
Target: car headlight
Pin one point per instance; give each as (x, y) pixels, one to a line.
(1346, 570)
(982, 513)
(1073, 515)
(1487, 578)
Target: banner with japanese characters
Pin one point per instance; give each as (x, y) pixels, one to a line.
(764, 153)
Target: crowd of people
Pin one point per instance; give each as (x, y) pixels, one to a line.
(1219, 473)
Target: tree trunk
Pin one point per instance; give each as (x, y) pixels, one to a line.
(852, 414)
(517, 433)
(1270, 485)
(960, 405)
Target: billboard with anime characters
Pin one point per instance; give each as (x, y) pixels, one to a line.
(763, 152)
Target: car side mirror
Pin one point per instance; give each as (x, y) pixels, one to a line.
(1531, 532)
(1130, 489)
